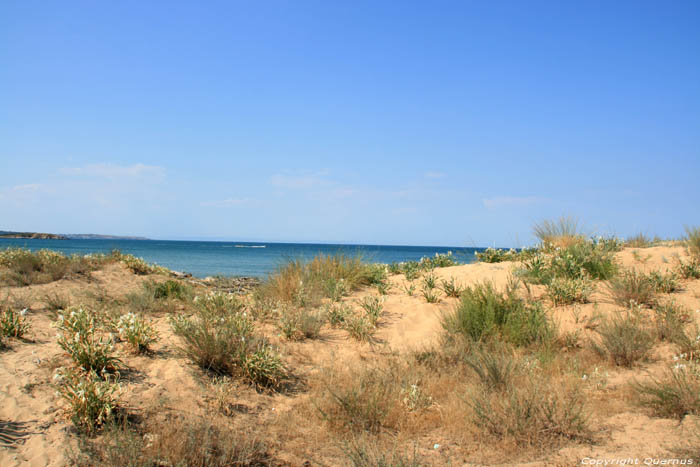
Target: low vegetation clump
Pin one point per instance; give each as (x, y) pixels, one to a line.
(139, 266)
(410, 269)
(632, 287)
(624, 338)
(136, 331)
(563, 291)
(531, 414)
(689, 270)
(362, 453)
(498, 255)
(639, 241)
(485, 313)
(22, 267)
(220, 337)
(301, 324)
(155, 297)
(369, 399)
(13, 323)
(337, 313)
(92, 399)
(664, 282)
(335, 289)
(56, 302)
(413, 269)
(674, 395)
(692, 242)
(373, 308)
(496, 370)
(174, 442)
(430, 295)
(593, 258)
(670, 320)
(360, 327)
(305, 284)
(170, 289)
(451, 288)
(562, 233)
(81, 336)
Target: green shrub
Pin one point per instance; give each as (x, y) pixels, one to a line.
(138, 265)
(374, 274)
(335, 289)
(429, 281)
(496, 255)
(495, 370)
(81, 338)
(430, 295)
(337, 313)
(219, 337)
(13, 323)
(91, 399)
(484, 313)
(440, 260)
(301, 324)
(373, 308)
(170, 289)
(624, 339)
(564, 291)
(360, 328)
(451, 288)
(689, 270)
(664, 283)
(593, 259)
(632, 287)
(383, 287)
(409, 288)
(137, 331)
(670, 321)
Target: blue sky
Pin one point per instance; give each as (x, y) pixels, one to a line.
(439, 123)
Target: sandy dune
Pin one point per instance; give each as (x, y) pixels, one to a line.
(166, 381)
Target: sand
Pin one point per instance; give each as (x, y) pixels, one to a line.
(167, 381)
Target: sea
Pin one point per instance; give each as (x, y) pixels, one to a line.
(251, 259)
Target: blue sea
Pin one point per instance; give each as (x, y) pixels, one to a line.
(203, 259)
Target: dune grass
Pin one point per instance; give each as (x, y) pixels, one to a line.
(220, 338)
(485, 313)
(675, 394)
(624, 338)
(632, 287)
(306, 283)
(692, 242)
(563, 232)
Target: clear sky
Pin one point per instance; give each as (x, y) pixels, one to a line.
(433, 123)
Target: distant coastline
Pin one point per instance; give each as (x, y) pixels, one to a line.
(4, 234)
(50, 236)
(102, 237)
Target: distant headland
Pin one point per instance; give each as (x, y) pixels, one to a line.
(39, 235)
